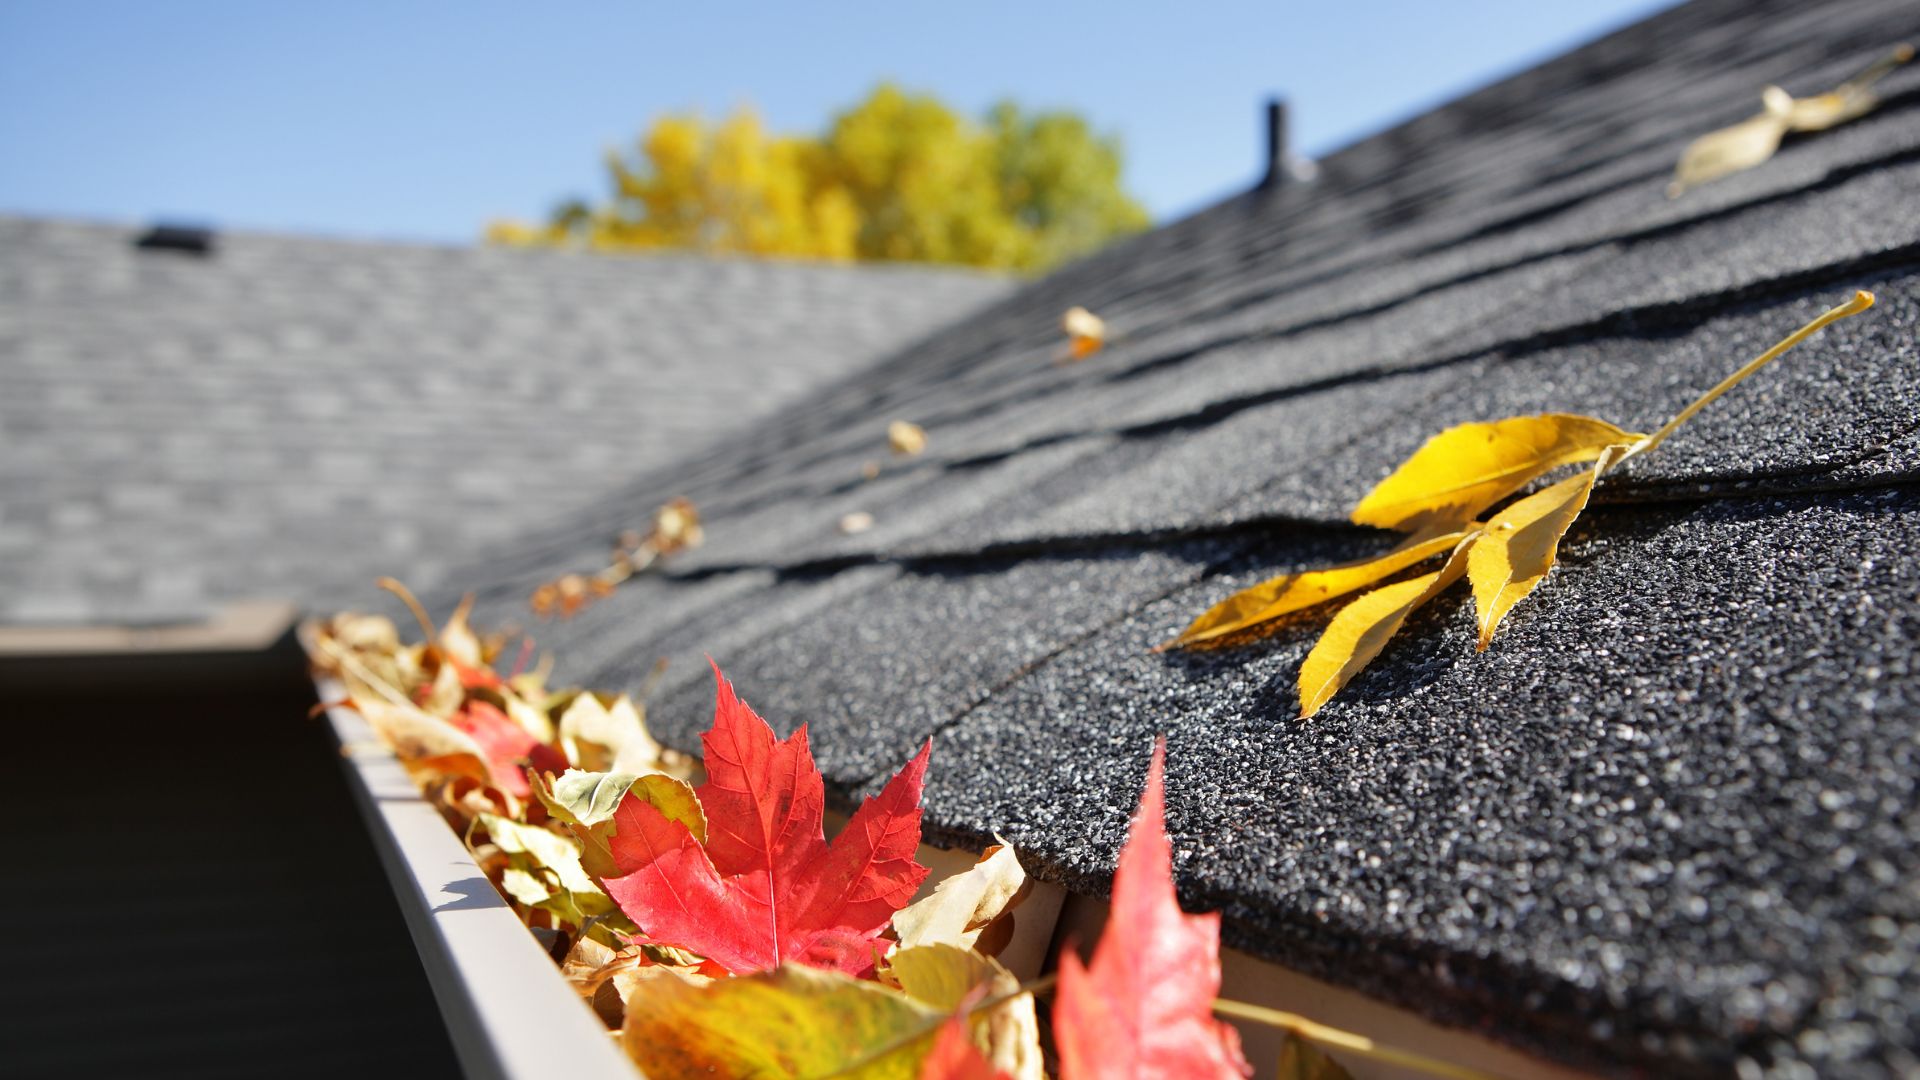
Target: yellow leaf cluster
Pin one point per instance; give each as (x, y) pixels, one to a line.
(1752, 141)
(1438, 495)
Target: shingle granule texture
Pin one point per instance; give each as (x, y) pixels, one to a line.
(1666, 825)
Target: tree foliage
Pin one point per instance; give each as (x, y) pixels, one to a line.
(899, 176)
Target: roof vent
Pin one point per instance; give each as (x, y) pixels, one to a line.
(1282, 167)
(180, 239)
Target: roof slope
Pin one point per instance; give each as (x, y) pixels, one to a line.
(291, 413)
(1669, 821)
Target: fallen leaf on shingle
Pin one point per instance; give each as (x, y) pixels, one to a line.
(1467, 468)
(1086, 332)
(906, 439)
(1361, 629)
(1753, 141)
(1438, 493)
(1518, 545)
(1290, 593)
(676, 527)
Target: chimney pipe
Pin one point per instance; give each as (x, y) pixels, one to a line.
(1277, 170)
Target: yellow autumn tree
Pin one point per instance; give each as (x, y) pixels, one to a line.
(899, 177)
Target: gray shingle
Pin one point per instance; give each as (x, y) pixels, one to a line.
(289, 415)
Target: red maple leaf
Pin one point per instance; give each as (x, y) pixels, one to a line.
(1144, 1007)
(767, 887)
(508, 747)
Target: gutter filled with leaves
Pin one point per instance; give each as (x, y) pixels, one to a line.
(714, 930)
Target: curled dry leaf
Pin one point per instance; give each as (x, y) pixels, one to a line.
(795, 1023)
(962, 906)
(544, 871)
(906, 439)
(1437, 494)
(1753, 141)
(1086, 333)
(609, 735)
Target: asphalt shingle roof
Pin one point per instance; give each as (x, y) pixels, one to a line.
(290, 414)
(1667, 823)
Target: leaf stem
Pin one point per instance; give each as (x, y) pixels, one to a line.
(1879, 69)
(1345, 1040)
(1862, 300)
(405, 594)
(1036, 987)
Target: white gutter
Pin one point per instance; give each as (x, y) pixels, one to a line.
(508, 1012)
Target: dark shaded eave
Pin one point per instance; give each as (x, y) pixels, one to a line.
(1666, 823)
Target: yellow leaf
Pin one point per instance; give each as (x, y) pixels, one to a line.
(1517, 547)
(545, 870)
(906, 439)
(585, 803)
(446, 694)
(1751, 142)
(1086, 332)
(940, 976)
(1362, 629)
(1289, 593)
(1465, 469)
(533, 721)
(961, 906)
(1301, 1060)
(457, 639)
(1848, 101)
(601, 736)
(1826, 110)
(413, 734)
(1734, 149)
(945, 977)
(788, 1024)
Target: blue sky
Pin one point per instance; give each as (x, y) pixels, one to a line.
(423, 120)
